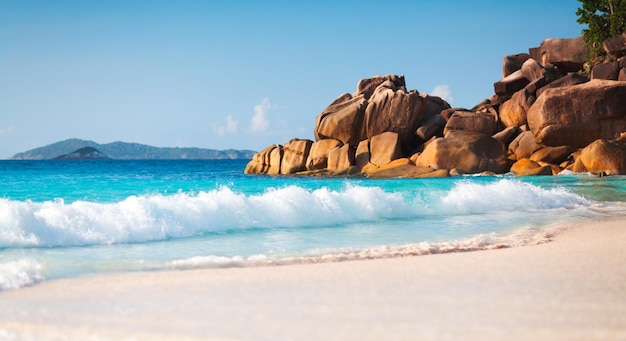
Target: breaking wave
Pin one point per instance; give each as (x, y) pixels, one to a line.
(162, 217)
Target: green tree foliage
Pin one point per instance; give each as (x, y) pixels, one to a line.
(604, 18)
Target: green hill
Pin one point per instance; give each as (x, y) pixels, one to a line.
(130, 151)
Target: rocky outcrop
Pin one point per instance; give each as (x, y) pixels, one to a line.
(605, 157)
(577, 115)
(545, 116)
(567, 54)
(468, 152)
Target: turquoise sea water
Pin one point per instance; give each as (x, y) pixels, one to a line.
(75, 218)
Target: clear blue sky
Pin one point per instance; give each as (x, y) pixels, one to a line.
(241, 74)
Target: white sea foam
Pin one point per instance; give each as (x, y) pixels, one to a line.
(490, 241)
(19, 273)
(159, 217)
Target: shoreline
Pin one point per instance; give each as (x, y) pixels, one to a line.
(569, 288)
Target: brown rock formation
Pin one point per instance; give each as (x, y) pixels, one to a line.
(340, 158)
(342, 120)
(393, 109)
(605, 157)
(567, 54)
(468, 152)
(512, 63)
(513, 112)
(484, 123)
(577, 115)
(554, 155)
(527, 167)
(295, 154)
(541, 112)
(385, 148)
(318, 155)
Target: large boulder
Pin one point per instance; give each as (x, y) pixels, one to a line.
(342, 120)
(605, 157)
(431, 127)
(510, 84)
(609, 70)
(261, 161)
(393, 109)
(513, 112)
(275, 157)
(295, 154)
(567, 80)
(526, 167)
(318, 156)
(385, 148)
(512, 63)
(524, 145)
(468, 152)
(507, 135)
(340, 158)
(484, 123)
(362, 155)
(366, 86)
(567, 54)
(615, 46)
(578, 115)
(554, 155)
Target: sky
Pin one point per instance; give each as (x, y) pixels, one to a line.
(241, 74)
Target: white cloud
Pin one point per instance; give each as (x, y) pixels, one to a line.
(6, 131)
(443, 91)
(259, 121)
(231, 127)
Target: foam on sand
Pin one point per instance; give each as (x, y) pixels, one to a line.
(570, 289)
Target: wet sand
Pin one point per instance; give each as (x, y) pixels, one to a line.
(573, 288)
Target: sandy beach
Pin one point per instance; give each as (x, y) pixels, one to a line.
(573, 288)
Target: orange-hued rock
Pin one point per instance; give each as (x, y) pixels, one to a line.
(295, 154)
(554, 155)
(366, 86)
(260, 163)
(580, 114)
(513, 112)
(342, 120)
(605, 157)
(468, 152)
(524, 145)
(484, 123)
(566, 54)
(275, 159)
(527, 167)
(385, 148)
(362, 155)
(318, 156)
(393, 109)
(340, 158)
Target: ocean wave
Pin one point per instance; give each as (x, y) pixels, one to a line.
(19, 273)
(161, 217)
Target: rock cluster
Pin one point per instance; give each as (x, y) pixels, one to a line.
(545, 116)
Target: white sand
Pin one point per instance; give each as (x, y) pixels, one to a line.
(571, 289)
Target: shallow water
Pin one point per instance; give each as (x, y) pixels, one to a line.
(74, 218)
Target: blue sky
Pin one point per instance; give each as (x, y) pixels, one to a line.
(241, 74)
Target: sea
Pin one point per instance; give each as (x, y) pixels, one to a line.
(75, 218)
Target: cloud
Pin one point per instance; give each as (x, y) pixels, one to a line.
(259, 121)
(6, 131)
(231, 127)
(444, 92)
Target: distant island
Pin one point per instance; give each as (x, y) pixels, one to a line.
(85, 149)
